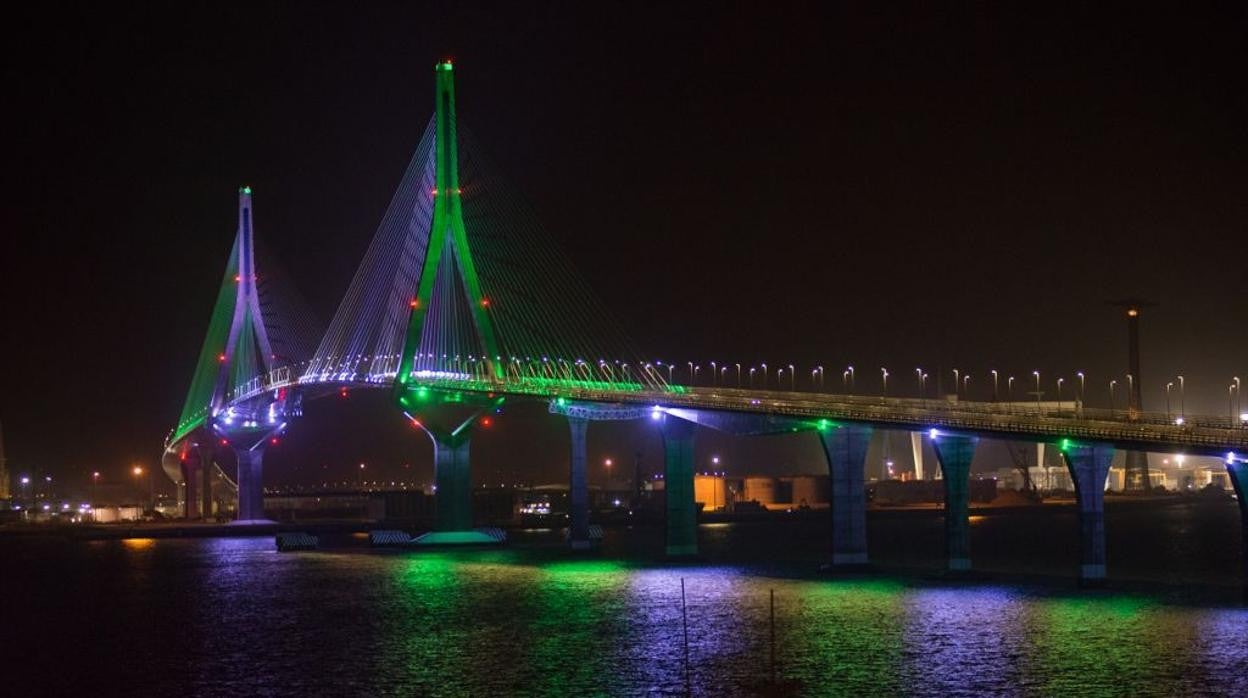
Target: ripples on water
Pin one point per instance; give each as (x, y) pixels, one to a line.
(231, 616)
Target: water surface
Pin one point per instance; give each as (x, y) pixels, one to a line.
(232, 616)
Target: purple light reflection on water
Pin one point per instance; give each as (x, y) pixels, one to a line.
(233, 616)
(727, 620)
(962, 641)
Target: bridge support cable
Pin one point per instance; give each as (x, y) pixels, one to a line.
(1089, 467)
(678, 472)
(1237, 468)
(954, 455)
(846, 451)
(462, 284)
(578, 486)
(365, 336)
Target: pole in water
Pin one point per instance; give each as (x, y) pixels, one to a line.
(684, 626)
(773, 636)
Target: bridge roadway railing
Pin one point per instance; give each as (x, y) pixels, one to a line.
(1043, 421)
(1076, 422)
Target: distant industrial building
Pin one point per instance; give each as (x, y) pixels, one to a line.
(721, 493)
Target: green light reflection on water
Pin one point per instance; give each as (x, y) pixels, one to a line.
(1105, 645)
(846, 634)
(439, 627)
(578, 612)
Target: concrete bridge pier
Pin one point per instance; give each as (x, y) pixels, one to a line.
(250, 482)
(1089, 466)
(954, 454)
(452, 479)
(1237, 468)
(678, 463)
(846, 451)
(452, 482)
(192, 478)
(578, 487)
(197, 475)
(579, 415)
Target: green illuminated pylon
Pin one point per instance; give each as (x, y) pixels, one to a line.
(236, 348)
(448, 220)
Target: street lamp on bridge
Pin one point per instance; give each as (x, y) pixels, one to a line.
(884, 376)
(994, 384)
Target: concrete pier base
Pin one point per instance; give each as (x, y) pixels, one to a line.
(846, 451)
(197, 470)
(1089, 466)
(193, 480)
(207, 469)
(682, 512)
(1237, 467)
(954, 454)
(250, 483)
(453, 482)
(578, 487)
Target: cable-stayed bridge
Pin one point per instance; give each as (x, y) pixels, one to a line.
(462, 302)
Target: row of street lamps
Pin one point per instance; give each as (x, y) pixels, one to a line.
(962, 384)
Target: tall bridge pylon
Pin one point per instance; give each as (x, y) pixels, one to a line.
(447, 253)
(259, 331)
(462, 284)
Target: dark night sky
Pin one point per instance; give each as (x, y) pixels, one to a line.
(948, 187)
